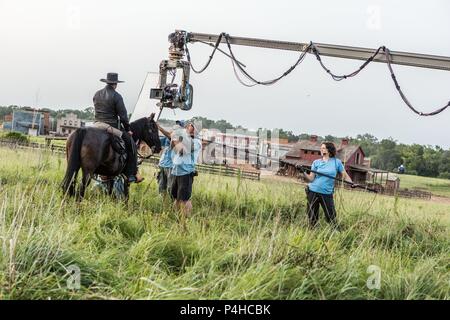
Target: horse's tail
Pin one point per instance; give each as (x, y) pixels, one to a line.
(73, 161)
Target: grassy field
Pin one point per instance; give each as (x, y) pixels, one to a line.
(440, 187)
(246, 240)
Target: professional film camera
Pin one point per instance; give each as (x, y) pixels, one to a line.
(172, 95)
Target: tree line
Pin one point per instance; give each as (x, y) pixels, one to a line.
(385, 154)
(422, 160)
(388, 154)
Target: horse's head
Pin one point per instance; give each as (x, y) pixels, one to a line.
(150, 134)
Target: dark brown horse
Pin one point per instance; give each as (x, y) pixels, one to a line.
(90, 149)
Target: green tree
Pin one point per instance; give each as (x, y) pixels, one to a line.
(387, 157)
(368, 143)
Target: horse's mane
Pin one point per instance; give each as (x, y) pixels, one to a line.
(145, 129)
(138, 126)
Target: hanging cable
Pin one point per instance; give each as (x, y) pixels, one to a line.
(238, 68)
(267, 82)
(402, 95)
(188, 55)
(336, 77)
(236, 74)
(221, 51)
(386, 52)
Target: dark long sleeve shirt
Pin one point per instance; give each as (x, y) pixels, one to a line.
(109, 107)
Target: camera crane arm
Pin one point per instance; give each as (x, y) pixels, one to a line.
(331, 50)
(173, 96)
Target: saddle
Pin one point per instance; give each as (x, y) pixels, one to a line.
(117, 142)
(118, 145)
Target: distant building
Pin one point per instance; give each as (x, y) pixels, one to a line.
(243, 149)
(305, 152)
(392, 182)
(87, 123)
(273, 150)
(28, 121)
(228, 148)
(67, 124)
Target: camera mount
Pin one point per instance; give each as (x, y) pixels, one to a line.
(172, 95)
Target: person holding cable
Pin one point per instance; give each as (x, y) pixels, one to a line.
(186, 148)
(165, 177)
(320, 188)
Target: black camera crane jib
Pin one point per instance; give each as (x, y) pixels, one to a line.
(181, 96)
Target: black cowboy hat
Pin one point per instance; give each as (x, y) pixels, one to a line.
(111, 78)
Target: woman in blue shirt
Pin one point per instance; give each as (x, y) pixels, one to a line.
(320, 189)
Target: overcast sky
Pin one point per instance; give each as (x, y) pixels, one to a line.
(53, 53)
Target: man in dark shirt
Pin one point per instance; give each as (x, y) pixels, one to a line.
(110, 109)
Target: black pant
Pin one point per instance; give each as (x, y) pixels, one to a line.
(326, 202)
(130, 168)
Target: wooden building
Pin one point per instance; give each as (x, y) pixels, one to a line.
(305, 152)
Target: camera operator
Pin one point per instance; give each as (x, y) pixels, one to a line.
(165, 176)
(186, 147)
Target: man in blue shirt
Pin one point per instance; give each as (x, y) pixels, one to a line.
(320, 189)
(165, 166)
(165, 177)
(186, 147)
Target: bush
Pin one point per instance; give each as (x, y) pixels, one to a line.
(16, 137)
(444, 175)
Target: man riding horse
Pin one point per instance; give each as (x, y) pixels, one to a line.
(98, 150)
(110, 110)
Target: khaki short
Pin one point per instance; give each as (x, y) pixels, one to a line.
(108, 128)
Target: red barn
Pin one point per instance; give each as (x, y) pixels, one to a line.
(305, 152)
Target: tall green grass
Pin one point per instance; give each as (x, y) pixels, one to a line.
(245, 240)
